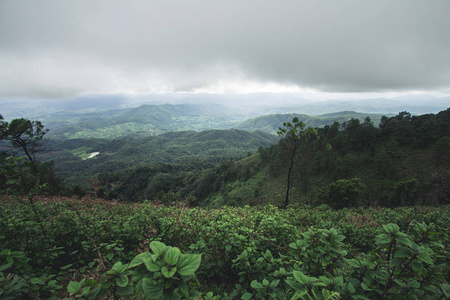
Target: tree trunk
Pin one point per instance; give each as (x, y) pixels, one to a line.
(286, 202)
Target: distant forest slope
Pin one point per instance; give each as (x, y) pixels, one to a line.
(144, 120)
(271, 123)
(404, 161)
(209, 147)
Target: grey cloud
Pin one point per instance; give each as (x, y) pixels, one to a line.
(334, 46)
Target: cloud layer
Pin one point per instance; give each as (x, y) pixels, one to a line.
(56, 48)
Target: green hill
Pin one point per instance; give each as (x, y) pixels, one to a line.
(144, 120)
(271, 123)
(405, 161)
(211, 146)
(147, 120)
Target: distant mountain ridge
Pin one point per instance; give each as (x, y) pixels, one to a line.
(148, 120)
(271, 123)
(112, 116)
(157, 119)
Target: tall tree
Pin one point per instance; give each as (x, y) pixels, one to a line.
(292, 135)
(24, 173)
(24, 135)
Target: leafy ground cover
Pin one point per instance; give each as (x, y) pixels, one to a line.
(92, 249)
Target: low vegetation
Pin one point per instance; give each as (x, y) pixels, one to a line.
(94, 248)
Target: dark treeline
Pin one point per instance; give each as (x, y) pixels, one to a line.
(404, 160)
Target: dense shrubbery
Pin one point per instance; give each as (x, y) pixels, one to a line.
(264, 252)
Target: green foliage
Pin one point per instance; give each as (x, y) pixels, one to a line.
(160, 274)
(271, 123)
(24, 136)
(257, 252)
(247, 252)
(145, 120)
(405, 191)
(292, 135)
(344, 193)
(174, 150)
(20, 177)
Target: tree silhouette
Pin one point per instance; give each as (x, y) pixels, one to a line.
(292, 135)
(24, 135)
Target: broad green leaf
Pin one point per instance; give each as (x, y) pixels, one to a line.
(256, 285)
(119, 267)
(425, 258)
(74, 287)
(417, 266)
(391, 228)
(151, 289)
(339, 281)
(318, 283)
(265, 282)
(294, 284)
(123, 291)
(293, 245)
(299, 294)
(382, 239)
(402, 253)
(326, 280)
(405, 240)
(168, 271)
(274, 283)
(171, 256)
(446, 289)
(153, 266)
(339, 238)
(351, 288)
(4, 267)
(139, 259)
(66, 267)
(91, 294)
(158, 247)
(246, 296)
(183, 288)
(300, 277)
(37, 281)
(122, 281)
(188, 264)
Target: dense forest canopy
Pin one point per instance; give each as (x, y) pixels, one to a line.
(363, 213)
(403, 160)
(355, 162)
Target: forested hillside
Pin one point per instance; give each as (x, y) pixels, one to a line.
(352, 210)
(145, 120)
(403, 161)
(271, 123)
(205, 148)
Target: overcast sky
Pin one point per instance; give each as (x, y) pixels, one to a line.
(66, 48)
